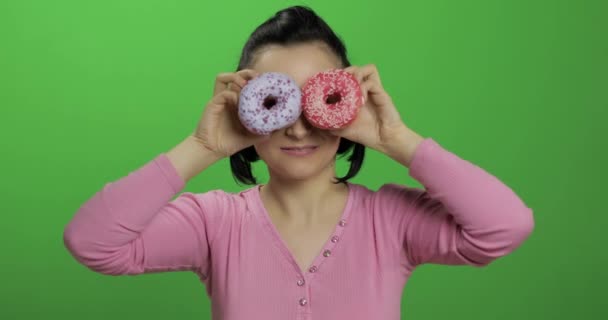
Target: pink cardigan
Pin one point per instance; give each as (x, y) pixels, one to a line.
(463, 216)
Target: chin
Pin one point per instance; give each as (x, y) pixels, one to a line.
(300, 169)
(299, 172)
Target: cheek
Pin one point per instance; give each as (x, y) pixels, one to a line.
(332, 140)
(260, 148)
(264, 148)
(331, 146)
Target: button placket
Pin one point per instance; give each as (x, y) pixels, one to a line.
(303, 301)
(334, 239)
(327, 251)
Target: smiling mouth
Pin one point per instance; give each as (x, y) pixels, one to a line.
(299, 151)
(299, 148)
(305, 147)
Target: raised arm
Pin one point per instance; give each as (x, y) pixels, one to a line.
(464, 215)
(131, 226)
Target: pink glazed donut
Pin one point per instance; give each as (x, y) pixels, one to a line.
(331, 99)
(269, 102)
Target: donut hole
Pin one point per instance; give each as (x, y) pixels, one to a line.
(333, 98)
(269, 102)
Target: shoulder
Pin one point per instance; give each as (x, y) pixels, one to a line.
(218, 209)
(220, 201)
(389, 196)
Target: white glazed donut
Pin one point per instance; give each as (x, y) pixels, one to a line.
(269, 102)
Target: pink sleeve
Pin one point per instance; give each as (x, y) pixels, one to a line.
(463, 215)
(132, 225)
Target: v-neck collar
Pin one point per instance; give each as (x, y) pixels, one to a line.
(330, 243)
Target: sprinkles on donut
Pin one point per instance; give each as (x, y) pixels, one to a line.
(269, 102)
(331, 99)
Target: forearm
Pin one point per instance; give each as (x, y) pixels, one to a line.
(102, 233)
(403, 146)
(190, 158)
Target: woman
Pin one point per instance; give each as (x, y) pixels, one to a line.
(306, 244)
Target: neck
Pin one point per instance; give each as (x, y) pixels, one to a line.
(302, 201)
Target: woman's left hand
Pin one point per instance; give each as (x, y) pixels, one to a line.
(378, 122)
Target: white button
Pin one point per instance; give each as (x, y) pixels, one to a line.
(342, 223)
(313, 269)
(301, 282)
(335, 239)
(303, 301)
(326, 253)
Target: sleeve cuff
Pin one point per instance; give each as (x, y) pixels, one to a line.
(170, 173)
(426, 147)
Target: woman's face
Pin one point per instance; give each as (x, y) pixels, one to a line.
(301, 62)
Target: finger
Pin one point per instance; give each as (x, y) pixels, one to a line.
(370, 72)
(372, 87)
(230, 79)
(234, 87)
(227, 98)
(247, 74)
(224, 79)
(369, 88)
(356, 72)
(365, 86)
(364, 73)
(240, 78)
(234, 81)
(350, 69)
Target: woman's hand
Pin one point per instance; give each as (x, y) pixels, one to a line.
(378, 124)
(219, 129)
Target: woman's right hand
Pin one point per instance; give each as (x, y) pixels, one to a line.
(219, 130)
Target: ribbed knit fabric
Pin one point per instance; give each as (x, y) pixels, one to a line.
(141, 223)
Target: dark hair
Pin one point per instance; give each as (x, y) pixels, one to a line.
(293, 25)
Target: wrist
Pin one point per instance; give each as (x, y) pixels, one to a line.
(200, 145)
(190, 157)
(403, 146)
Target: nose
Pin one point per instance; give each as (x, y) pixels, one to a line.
(299, 129)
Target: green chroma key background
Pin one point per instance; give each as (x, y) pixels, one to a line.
(91, 90)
